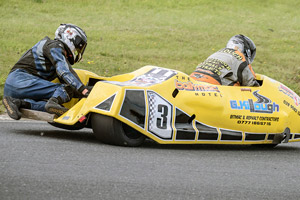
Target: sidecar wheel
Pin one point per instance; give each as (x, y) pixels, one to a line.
(112, 131)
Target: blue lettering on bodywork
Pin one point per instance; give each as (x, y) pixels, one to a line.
(254, 107)
(262, 105)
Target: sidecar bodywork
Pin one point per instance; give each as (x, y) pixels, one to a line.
(171, 108)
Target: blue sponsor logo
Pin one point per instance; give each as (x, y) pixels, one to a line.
(262, 105)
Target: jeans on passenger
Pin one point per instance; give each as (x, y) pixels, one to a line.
(33, 89)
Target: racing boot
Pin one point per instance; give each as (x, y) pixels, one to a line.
(12, 106)
(53, 106)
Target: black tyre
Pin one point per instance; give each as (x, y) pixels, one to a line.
(112, 131)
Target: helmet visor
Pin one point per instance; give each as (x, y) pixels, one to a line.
(80, 46)
(250, 48)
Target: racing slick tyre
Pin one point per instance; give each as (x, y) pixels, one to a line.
(112, 131)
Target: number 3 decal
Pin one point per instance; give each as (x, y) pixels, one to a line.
(161, 121)
(160, 116)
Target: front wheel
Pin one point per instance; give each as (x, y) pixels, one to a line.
(112, 131)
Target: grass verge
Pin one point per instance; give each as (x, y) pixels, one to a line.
(124, 35)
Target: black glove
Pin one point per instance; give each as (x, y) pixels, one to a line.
(78, 93)
(89, 89)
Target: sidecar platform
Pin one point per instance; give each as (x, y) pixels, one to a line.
(37, 115)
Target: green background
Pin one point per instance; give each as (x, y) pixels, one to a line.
(124, 35)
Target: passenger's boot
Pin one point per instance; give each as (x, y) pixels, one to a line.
(53, 107)
(12, 106)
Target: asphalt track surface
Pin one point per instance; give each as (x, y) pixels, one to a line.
(38, 161)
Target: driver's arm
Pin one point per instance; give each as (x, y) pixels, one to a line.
(64, 70)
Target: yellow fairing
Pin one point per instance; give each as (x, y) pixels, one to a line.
(169, 107)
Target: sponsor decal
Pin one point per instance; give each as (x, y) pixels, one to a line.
(66, 118)
(208, 94)
(254, 120)
(262, 105)
(287, 91)
(246, 90)
(232, 52)
(154, 76)
(291, 106)
(190, 86)
(214, 65)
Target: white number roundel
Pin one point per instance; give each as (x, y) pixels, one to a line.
(160, 116)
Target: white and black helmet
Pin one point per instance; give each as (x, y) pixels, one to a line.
(74, 39)
(243, 44)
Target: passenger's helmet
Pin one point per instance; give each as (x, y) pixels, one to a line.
(74, 39)
(243, 44)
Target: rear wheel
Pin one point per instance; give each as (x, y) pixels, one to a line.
(112, 131)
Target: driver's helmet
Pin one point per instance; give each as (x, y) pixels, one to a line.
(74, 38)
(244, 45)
